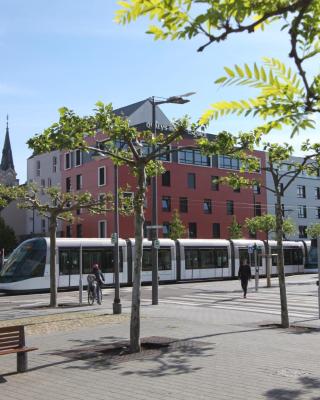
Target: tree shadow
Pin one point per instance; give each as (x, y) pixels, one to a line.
(308, 386)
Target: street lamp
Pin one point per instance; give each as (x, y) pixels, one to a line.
(117, 308)
(154, 231)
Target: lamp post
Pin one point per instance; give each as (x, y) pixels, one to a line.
(154, 231)
(116, 302)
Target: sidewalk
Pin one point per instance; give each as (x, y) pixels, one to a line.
(235, 359)
(225, 355)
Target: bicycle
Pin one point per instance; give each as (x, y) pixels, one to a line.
(94, 290)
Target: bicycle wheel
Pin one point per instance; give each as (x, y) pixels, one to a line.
(90, 297)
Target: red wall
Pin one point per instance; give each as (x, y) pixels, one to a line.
(243, 201)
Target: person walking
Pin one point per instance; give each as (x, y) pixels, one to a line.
(100, 280)
(244, 275)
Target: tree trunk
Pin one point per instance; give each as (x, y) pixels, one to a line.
(280, 265)
(268, 264)
(53, 276)
(136, 290)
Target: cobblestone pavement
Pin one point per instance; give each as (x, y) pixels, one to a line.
(226, 354)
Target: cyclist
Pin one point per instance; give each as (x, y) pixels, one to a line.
(99, 279)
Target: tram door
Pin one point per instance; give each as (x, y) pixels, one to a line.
(69, 267)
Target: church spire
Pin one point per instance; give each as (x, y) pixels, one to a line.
(7, 159)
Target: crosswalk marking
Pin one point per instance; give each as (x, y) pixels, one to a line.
(258, 302)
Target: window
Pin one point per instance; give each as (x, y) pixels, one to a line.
(302, 231)
(192, 230)
(317, 193)
(101, 176)
(78, 212)
(69, 231)
(68, 184)
(49, 182)
(102, 227)
(257, 210)
(302, 211)
(215, 183)
(38, 168)
(43, 183)
(67, 161)
(229, 163)
(166, 203)
(166, 229)
(183, 204)
(301, 191)
(318, 212)
(164, 259)
(79, 182)
(54, 164)
(236, 190)
(128, 198)
(230, 208)
(78, 158)
(79, 230)
(43, 226)
(191, 181)
(206, 258)
(166, 178)
(216, 230)
(256, 189)
(194, 157)
(207, 206)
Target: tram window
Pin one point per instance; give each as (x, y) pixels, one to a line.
(164, 259)
(243, 254)
(103, 257)
(292, 256)
(221, 258)
(69, 261)
(147, 260)
(206, 259)
(27, 261)
(192, 261)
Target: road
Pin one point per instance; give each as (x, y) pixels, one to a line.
(302, 296)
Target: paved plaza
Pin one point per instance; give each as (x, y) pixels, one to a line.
(225, 347)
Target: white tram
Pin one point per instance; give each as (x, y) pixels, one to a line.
(27, 268)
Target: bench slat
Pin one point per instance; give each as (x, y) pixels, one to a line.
(18, 350)
(10, 343)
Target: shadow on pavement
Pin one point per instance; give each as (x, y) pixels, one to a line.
(308, 386)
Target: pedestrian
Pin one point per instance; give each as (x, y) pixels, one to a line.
(244, 275)
(100, 280)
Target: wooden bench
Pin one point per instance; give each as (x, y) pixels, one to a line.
(12, 340)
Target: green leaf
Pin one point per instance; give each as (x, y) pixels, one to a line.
(229, 72)
(220, 80)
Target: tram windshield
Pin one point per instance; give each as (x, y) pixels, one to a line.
(26, 261)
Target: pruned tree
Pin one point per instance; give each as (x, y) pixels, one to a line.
(283, 171)
(177, 229)
(313, 231)
(58, 206)
(125, 145)
(235, 229)
(266, 223)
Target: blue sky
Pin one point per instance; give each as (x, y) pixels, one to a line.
(71, 53)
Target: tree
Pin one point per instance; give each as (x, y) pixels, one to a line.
(125, 145)
(235, 229)
(8, 239)
(283, 171)
(284, 98)
(267, 223)
(177, 229)
(58, 205)
(313, 231)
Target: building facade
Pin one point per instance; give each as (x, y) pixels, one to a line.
(44, 171)
(300, 202)
(188, 185)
